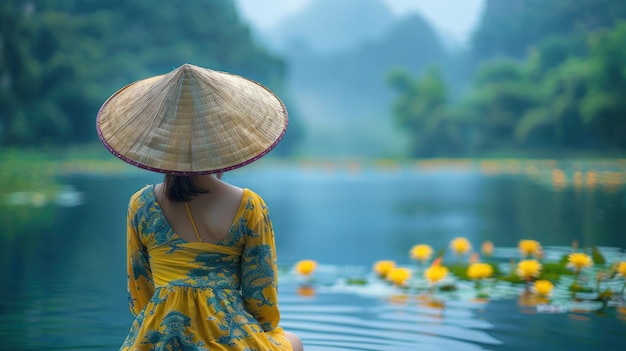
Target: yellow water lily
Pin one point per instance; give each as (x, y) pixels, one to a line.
(435, 272)
(487, 248)
(528, 269)
(421, 252)
(578, 261)
(543, 287)
(383, 267)
(479, 270)
(621, 268)
(399, 276)
(460, 246)
(529, 248)
(306, 267)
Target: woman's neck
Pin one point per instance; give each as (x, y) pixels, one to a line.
(206, 181)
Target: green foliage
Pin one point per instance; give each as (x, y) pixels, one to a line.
(421, 101)
(569, 94)
(556, 120)
(421, 108)
(512, 278)
(597, 256)
(513, 27)
(357, 281)
(61, 59)
(603, 106)
(26, 171)
(554, 270)
(27, 183)
(503, 93)
(447, 287)
(554, 50)
(605, 296)
(576, 287)
(459, 270)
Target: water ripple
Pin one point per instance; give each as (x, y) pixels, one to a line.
(334, 321)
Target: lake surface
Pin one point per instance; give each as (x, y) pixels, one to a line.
(63, 259)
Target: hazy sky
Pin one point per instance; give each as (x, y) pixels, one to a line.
(452, 18)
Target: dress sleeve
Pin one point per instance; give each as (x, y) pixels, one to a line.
(259, 277)
(140, 283)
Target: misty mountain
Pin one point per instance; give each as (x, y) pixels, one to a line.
(333, 26)
(511, 28)
(354, 82)
(339, 84)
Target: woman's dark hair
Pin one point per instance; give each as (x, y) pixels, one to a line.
(181, 188)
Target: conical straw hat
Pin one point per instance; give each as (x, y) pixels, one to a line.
(192, 120)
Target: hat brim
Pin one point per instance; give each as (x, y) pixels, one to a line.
(192, 121)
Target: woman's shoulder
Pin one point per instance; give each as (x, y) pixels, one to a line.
(253, 204)
(245, 194)
(142, 195)
(251, 196)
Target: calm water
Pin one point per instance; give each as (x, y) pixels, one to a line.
(63, 264)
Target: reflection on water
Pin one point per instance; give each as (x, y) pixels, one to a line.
(63, 267)
(380, 212)
(334, 321)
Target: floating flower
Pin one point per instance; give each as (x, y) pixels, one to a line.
(399, 276)
(382, 268)
(479, 270)
(529, 248)
(474, 257)
(528, 269)
(487, 248)
(306, 291)
(435, 272)
(306, 267)
(543, 287)
(578, 261)
(621, 269)
(421, 252)
(460, 245)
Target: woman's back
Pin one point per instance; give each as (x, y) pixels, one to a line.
(206, 217)
(203, 294)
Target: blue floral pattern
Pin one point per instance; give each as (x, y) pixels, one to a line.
(200, 296)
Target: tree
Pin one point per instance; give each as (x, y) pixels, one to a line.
(555, 81)
(603, 107)
(421, 108)
(60, 59)
(582, 97)
(555, 122)
(502, 92)
(511, 28)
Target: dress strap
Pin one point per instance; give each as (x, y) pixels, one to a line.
(193, 223)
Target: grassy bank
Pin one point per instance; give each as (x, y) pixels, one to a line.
(35, 173)
(22, 170)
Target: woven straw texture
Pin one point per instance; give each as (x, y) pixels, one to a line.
(192, 121)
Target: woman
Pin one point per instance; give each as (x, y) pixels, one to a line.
(202, 269)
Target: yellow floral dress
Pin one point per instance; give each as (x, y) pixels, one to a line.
(202, 296)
